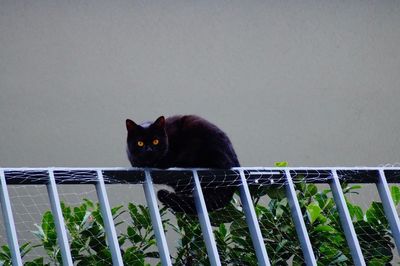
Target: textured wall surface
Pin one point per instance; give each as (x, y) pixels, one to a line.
(310, 82)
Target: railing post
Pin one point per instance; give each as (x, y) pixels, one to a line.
(8, 220)
(252, 222)
(205, 222)
(346, 221)
(298, 221)
(59, 220)
(108, 220)
(156, 219)
(389, 208)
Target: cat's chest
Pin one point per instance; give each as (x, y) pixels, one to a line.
(179, 158)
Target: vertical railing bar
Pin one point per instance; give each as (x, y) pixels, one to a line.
(111, 234)
(62, 237)
(9, 223)
(205, 224)
(252, 222)
(389, 208)
(298, 221)
(345, 220)
(156, 219)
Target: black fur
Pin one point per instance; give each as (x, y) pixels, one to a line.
(184, 141)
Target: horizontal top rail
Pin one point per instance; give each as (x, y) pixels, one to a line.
(215, 177)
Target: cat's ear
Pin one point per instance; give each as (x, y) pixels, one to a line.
(130, 125)
(160, 122)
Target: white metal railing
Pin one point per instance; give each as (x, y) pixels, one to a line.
(247, 175)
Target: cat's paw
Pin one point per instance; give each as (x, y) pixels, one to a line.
(163, 195)
(177, 202)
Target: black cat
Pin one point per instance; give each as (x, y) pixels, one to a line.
(183, 141)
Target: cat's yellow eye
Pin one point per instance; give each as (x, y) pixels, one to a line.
(140, 143)
(156, 141)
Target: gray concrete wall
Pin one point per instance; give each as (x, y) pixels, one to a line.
(310, 82)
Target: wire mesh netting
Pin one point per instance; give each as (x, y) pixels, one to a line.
(268, 188)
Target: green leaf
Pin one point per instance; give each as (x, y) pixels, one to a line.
(339, 259)
(25, 248)
(138, 219)
(79, 213)
(115, 211)
(276, 193)
(88, 202)
(358, 213)
(378, 261)
(324, 228)
(313, 211)
(5, 249)
(66, 210)
(279, 212)
(395, 191)
(281, 245)
(5, 255)
(321, 198)
(225, 215)
(351, 209)
(47, 222)
(311, 190)
(281, 164)
(375, 214)
(222, 230)
(239, 228)
(39, 233)
(349, 189)
(133, 236)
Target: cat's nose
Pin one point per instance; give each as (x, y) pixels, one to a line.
(149, 149)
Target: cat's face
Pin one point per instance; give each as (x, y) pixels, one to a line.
(146, 143)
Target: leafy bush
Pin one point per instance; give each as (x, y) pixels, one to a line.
(138, 245)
